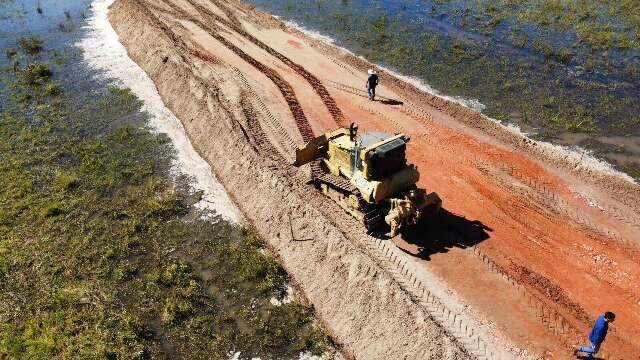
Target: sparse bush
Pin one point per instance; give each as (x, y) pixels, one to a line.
(565, 55)
(36, 73)
(53, 89)
(175, 310)
(51, 210)
(31, 45)
(543, 48)
(67, 182)
(123, 99)
(11, 52)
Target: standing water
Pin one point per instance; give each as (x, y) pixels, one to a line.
(103, 52)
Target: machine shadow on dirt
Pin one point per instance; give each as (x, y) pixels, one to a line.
(440, 233)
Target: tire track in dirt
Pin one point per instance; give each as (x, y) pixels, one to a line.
(288, 143)
(283, 86)
(228, 12)
(315, 83)
(554, 322)
(390, 262)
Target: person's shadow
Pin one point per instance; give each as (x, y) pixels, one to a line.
(391, 102)
(581, 357)
(441, 232)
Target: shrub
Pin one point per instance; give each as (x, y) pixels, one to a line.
(67, 181)
(36, 73)
(11, 52)
(51, 210)
(53, 89)
(31, 45)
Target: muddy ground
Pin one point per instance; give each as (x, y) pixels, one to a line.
(534, 242)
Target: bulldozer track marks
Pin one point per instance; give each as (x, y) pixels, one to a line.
(315, 83)
(390, 262)
(553, 321)
(388, 259)
(283, 86)
(412, 111)
(276, 125)
(228, 13)
(538, 193)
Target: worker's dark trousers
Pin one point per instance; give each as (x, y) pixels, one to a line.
(372, 92)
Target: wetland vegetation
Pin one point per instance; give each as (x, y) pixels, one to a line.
(102, 253)
(564, 71)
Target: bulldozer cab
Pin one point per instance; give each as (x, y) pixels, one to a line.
(374, 155)
(381, 154)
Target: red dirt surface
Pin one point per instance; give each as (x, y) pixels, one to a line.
(536, 250)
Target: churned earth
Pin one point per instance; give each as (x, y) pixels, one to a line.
(534, 241)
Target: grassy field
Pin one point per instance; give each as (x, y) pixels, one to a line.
(103, 257)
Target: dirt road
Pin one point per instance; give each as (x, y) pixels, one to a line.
(534, 242)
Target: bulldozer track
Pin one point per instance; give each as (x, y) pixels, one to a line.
(553, 321)
(406, 108)
(336, 182)
(287, 142)
(537, 193)
(315, 83)
(393, 263)
(228, 13)
(285, 88)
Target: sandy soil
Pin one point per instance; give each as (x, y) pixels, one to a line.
(534, 243)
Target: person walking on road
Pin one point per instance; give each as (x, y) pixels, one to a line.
(372, 82)
(597, 335)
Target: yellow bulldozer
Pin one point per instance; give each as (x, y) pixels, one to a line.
(368, 176)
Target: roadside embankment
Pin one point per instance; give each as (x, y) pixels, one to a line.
(366, 311)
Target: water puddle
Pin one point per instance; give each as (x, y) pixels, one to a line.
(103, 51)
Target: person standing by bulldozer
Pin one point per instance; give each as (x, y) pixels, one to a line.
(372, 82)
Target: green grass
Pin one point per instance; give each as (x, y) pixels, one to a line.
(31, 45)
(102, 258)
(36, 73)
(590, 19)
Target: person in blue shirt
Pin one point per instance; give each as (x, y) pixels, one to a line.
(597, 335)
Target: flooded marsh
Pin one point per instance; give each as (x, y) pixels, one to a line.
(103, 253)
